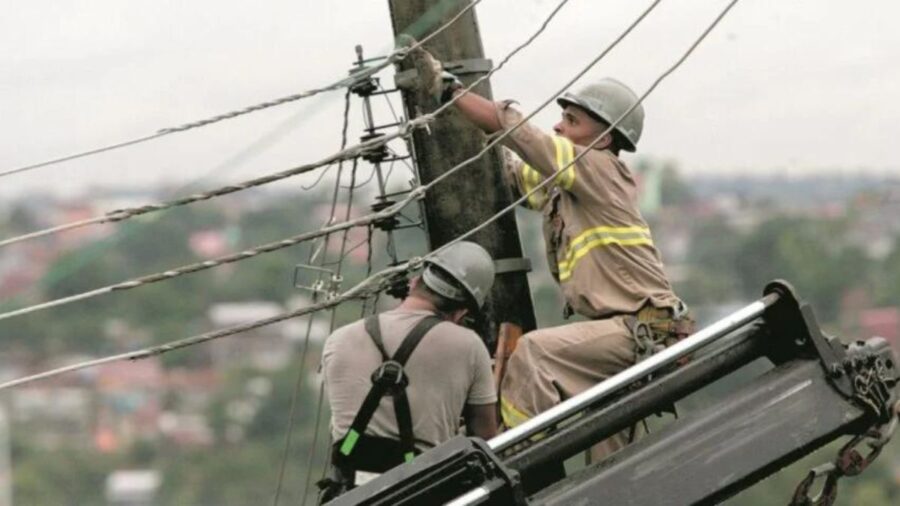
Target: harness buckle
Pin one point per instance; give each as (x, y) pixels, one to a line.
(390, 373)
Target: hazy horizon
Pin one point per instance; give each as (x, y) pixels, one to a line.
(773, 89)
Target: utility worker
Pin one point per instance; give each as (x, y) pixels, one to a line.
(399, 382)
(599, 247)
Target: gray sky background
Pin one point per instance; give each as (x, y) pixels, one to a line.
(780, 86)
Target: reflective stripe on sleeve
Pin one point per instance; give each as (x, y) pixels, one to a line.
(530, 179)
(565, 153)
(599, 237)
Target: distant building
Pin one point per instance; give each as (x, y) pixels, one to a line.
(265, 348)
(129, 402)
(54, 415)
(208, 243)
(883, 322)
(133, 487)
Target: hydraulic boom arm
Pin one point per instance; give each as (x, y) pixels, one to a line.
(818, 390)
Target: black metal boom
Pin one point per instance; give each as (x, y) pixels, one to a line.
(818, 390)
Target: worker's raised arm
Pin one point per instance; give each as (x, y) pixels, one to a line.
(477, 109)
(443, 86)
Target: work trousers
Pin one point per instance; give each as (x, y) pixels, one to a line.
(550, 365)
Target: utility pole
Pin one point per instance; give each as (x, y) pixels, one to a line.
(478, 191)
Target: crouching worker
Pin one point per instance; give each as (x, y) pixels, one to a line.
(399, 381)
(599, 247)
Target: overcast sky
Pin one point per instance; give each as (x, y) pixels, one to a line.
(796, 86)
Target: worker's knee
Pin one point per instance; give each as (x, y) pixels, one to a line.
(529, 364)
(528, 354)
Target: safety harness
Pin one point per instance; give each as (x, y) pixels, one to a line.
(357, 451)
(653, 329)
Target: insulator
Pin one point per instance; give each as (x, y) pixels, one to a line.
(386, 224)
(399, 287)
(364, 88)
(374, 154)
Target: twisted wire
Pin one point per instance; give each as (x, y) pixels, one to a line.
(131, 212)
(354, 78)
(331, 325)
(344, 154)
(298, 383)
(597, 140)
(340, 265)
(388, 212)
(315, 442)
(375, 283)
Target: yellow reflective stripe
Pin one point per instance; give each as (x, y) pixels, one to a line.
(621, 235)
(608, 230)
(599, 237)
(565, 153)
(511, 416)
(565, 269)
(530, 179)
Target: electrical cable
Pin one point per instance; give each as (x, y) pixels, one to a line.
(70, 266)
(587, 149)
(338, 272)
(208, 264)
(318, 180)
(298, 383)
(378, 281)
(368, 179)
(128, 213)
(354, 78)
(344, 154)
(312, 448)
(331, 325)
(384, 213)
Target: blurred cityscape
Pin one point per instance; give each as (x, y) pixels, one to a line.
(207, 424)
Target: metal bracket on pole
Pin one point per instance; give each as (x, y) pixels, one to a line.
(506, 265)
(330, 285)
(407, 79)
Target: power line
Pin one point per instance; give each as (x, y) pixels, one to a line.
(131, 212)
(356, 77)
(374, 283)
(343, 154)
(652, 87)
(226, 259)
(381, 280)
(248, 152)
(331, 325)
(82, 154)
(298, 383)
(315, 441)
(387, 212)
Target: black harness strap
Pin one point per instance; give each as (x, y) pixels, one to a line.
(373, 328)
(388, 379)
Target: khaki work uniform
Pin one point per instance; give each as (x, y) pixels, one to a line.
(448, 369)
(600, 251)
